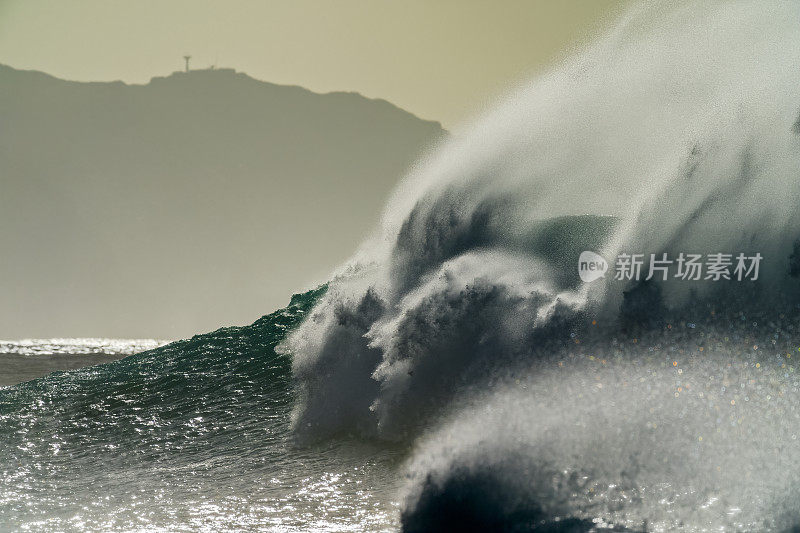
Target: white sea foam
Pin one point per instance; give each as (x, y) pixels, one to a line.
(682, 124)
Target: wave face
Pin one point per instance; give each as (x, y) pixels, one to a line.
(536, 401)
(190, 436)
(457, 374)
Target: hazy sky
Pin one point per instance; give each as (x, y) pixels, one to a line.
(440, 59)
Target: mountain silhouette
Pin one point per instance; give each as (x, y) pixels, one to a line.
(197, 200)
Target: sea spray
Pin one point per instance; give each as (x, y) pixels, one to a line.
(458, 370)
(675, 132)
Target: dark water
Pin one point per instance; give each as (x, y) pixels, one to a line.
(456, 374)
(16, 368)
(28, 359)
(192, 435)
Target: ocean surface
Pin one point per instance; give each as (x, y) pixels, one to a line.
(458, 373)
(687, 425)
(28, 359)
(186, 437)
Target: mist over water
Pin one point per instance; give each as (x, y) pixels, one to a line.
(456, 373)
(462, 327)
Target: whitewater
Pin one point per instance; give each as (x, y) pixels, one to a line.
(456, 373)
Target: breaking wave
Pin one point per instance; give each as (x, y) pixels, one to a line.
(456, 373)
(462, 325)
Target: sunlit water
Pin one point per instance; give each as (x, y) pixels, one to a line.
(87, 346)
(28, 359)
(691, 425)
(191, 436)
(455, 374)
